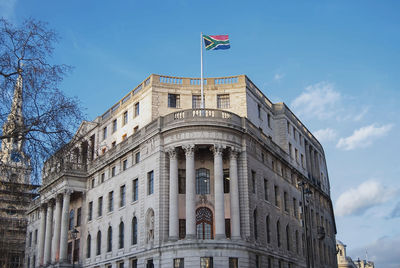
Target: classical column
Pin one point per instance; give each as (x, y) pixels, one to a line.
(42, 231)
(219, 193)
(47, 243)
(190, 193)
(55, 253)
(173, 195)
(64, 226)
(234, 192)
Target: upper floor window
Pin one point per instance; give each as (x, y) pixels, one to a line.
(253, 181)
(137, 157)
(259, 110)
(100, 207)
(226, 181)
(135, 190)
(110, 201)
(202, 181)
(269, 120)
(114, 125)
(78, 216)
(265, 189)
(174, 100)
(122, 192)
(204, 223)
(223, 101)
(113, 171)
(150, 182)
(90, 211)
(182, 181)
(196, 101)
(104, 133)
(137, 109)
(124, 164)
(71, 219)
(125, 118)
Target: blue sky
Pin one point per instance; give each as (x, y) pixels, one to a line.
(335, 63)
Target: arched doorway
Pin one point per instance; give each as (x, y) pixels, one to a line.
(204, 223)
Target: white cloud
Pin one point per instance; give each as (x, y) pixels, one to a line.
(278, 77)
(367, 195)
(7, 9)
(327, 134)
(363, 137)
(361, 114)
(318, 100)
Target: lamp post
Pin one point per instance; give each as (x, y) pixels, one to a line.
(305, 193)
(74, 234)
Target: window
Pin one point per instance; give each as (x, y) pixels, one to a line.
(228, 228)
(257, 261)
(255, 224)
(295, 213)
(174, 100)
(182, 228)
(104, 133)
(269, 120)
(113, 144)
(100, 207)
(135, 189)
(150, 263)
(121, 235)
(266, 189)
(125, 164)
(125, 118)
(98, 243)
(71, 219)
(226, 181)
(122, 196)
(233, 263)
(113, 171)
(278, 233)
(76, 250)
(182, 181)
(110, 201)
(302, 160)
(288, 127)
(196, 101)
(179, 263)
(276, 190)
(285, 201)
(36, 236)
(297, 241)
(206, 262)
(88, 242)
(204, 223)
(92, 183)
(114, 125)
(296, 155)
(202, 181)
(223, 101)
(134, 231)
(259, 110)
(268, 230)
(137, 157)
(287, 237)
(109, 239)
(253, 180)
(90, 211)
(120, 264)
(78, 216)
(133, 263)
(150, 182)
(290, 149)
(137, 109)
(30, 239)
(103, 176)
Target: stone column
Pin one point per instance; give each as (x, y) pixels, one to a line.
(47, 242)
(190, 193)
(64, 226)
(42, 231)
(173, 195)
(234, 192)
(55, 253)
(219, 193)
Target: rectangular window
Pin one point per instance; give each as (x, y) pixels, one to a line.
(228, 228)
(78, 216)
(174, 100)
(36, 236)
(285, 201)
(290, 149)
(76, 250)
(233, 263)
(100, 207)
(135, 189)
(137, 157)
(125, 118)
(124, 164)
(92, 183)
(259, 110)
(265, 189)
(296, 155)
(103, 176)
(302, 160)
(206, 262)
(196, 101)
(182, 228)
(179, 263)
(150, 182)
(113, 171)
(114, 125)
(104, 133)
(30, 239)
(110, 201)
(226, 181)
(223, 101)
(122, 192)
(120, 264)
(257, 261)
(295, 212)
(276, 191)
(90, 211)
(269, 120)
(133, 263)
(288, 127)
(182, 181)
(253, 180)
(137, 109)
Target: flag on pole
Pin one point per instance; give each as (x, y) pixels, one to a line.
(214, 42)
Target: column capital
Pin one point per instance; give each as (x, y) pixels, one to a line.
(217, 149)
(234, 152)
(189, 149)
(68, 191)
(172, 152)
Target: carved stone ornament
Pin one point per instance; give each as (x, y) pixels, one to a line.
(189, 150)
(172, 153)
(217, 149)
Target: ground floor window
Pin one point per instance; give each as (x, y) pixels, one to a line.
(233, 263)
(206, 262)
(150, 263)
(133, 263)
(179, 263)
(204, 223)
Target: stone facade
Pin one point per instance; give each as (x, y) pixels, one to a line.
(159, 182)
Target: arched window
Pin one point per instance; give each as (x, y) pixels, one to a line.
(109, 239)
(255, 224)
(88, 246)
(268, 231)
(121, 235)
(98, 248)
(134, 231)
(278, 233)
(287, 237)
(202, 181)
(71, 220)
(204, 223)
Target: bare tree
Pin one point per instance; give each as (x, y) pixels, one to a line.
(49, 117)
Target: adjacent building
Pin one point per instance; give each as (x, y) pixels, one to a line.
(156, 181)
(345, 261)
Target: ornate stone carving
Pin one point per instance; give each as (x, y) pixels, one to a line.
(172, 153)
(218, 149)
(234, 153)
(189, 150)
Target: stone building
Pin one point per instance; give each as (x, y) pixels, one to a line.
(158, 182)
(345, 261)
(15, 187)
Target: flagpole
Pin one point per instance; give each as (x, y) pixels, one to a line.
(201, 75)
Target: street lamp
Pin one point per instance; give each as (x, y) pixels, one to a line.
(74, 234)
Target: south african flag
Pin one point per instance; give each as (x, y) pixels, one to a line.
(214, 42)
